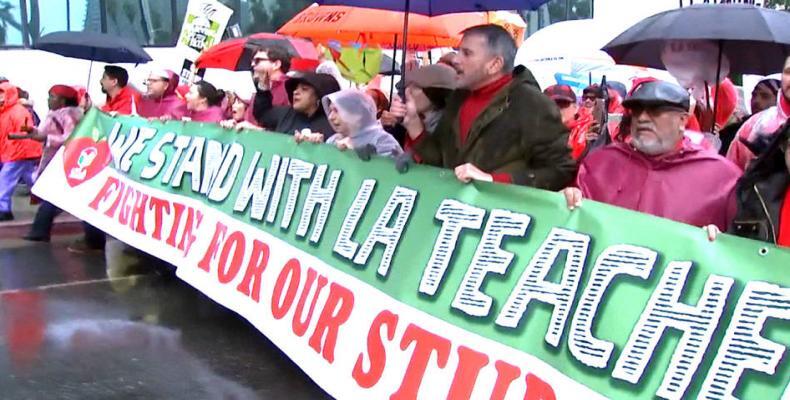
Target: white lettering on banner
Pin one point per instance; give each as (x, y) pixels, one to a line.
(489, 257)
(743, 347)
(615, 260)
(344, 246)
(252, 188)
(402, 201)
(157, 157)
(665, 311)
(119, 143)
(320, 196)
(455, 217)
(144, 135)
(181, 143)
(299, 171)
(533, 285)
(191, 164)
(274, 203)
(215, 153)
(226, 176)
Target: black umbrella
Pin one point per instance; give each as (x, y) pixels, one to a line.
(93, 46)
(756, 40)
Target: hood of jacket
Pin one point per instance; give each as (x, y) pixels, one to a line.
(356, 109)
(169, 104)
(11, 96)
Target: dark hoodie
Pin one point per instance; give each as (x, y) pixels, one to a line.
(285, 119)
(168, 105)
(761, 193)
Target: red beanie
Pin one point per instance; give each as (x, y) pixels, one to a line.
(66, 92)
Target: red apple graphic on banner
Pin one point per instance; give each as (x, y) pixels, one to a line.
(84, 158)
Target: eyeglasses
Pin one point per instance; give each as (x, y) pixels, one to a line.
(258, 60)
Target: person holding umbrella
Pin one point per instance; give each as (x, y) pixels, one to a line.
(757, 132)
(498, 125)
(660, 171)
(121, 98)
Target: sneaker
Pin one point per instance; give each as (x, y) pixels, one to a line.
(6, 216)
(81, 247)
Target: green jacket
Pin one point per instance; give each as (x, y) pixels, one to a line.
(520, 133)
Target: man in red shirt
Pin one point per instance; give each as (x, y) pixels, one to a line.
(121, 99)
(498, 126)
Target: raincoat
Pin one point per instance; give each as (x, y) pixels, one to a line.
(126, 102)
(58, 126)
(213, 114)
(168, 105)
(14, 116)
(693, 186)
(358, 111)
(757, 132)
(579, 126)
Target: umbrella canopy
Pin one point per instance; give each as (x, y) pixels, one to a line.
(93, 46)
(755, 40)
(379, 27)
(236, 54)
(440, 7)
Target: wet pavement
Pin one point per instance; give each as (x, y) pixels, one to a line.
(104, 326)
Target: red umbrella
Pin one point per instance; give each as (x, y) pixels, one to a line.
(236, 54)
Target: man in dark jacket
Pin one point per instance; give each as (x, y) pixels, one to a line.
(497, 126)
(764, 195)
(306, 112)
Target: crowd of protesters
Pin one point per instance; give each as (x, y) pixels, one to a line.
(477, 113)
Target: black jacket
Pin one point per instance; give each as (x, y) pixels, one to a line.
(285, 119)
(761, 193)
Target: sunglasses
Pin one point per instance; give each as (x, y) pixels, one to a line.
(590, 97)
(258, 60)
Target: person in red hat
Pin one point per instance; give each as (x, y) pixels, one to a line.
(19, 158)
(64, 115)
(578, 121)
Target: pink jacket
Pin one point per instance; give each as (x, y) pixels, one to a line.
(168, 105)
(213, 114)
(58, 126)
(693, 186)
(760, 127)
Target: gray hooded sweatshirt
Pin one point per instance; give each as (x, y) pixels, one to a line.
(359, 112)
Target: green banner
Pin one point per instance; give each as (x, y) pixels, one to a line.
(482, 290)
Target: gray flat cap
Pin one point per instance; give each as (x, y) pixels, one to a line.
(658, 93)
